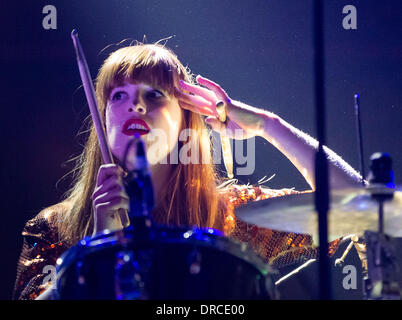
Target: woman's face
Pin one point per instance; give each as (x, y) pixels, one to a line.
(140, 109)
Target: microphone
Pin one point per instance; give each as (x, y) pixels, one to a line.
(381, 172)
(138, 185)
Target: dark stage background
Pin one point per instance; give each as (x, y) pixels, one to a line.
(259, 51)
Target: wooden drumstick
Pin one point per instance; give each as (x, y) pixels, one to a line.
(93, 107)
(91, 98)
(225, 142)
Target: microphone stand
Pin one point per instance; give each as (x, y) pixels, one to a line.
(138, 185)
(133, 263)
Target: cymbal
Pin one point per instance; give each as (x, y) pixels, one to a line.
(352, 211)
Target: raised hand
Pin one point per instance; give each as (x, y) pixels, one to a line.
(242, 121)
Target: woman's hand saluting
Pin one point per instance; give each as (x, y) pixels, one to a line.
(242, 119)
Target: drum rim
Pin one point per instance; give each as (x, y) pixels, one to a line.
(196, 236)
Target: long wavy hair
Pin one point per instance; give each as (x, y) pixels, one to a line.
(190, 198)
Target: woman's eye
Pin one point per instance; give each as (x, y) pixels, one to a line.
(154, 94)
(118, 96)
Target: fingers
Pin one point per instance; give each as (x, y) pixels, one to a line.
(195, 103)
(110, 200)
(203, 100)
(112, 205)
(201, 110)
(192, 99)
(108, 170)
(197, 90)
(109, 195)
(110, 185)
(216, 88)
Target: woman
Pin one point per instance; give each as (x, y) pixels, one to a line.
(145, 90)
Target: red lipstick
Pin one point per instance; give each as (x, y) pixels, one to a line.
(135, 126)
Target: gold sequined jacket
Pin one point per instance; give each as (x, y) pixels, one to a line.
(42, 246)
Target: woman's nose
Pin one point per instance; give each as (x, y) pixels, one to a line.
(139, 108)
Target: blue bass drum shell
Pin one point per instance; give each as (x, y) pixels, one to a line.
(175, 264)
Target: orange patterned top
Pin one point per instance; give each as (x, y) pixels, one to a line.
(275, 247)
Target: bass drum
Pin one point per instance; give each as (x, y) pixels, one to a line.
(176, 264)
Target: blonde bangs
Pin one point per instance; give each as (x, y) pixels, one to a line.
(154, 65)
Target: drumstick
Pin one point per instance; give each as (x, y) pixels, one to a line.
(225, 142)
(93, 107)
(90, 95)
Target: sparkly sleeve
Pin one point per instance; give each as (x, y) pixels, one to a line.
(275, 247)
(41, 247)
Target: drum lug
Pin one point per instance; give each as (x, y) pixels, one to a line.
(194, 262)
(129, 277)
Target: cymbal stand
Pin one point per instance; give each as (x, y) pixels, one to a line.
(381, 281)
